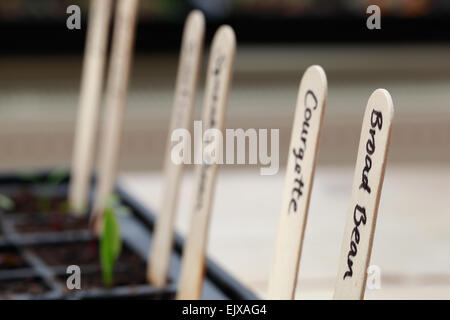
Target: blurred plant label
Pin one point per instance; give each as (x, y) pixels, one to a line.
(374, 20)
(74, 280)
(218, 80)
(298, 182)
(185, 93)
(366, 191)
(74, 20)
(213, 113)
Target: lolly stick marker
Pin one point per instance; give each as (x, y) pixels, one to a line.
(216, 95)
(366, 191)
(299, 180)
(90, 97)
(184, 100)
(116, 98)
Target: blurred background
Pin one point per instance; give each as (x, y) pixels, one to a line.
(40, 70)
(40, 63)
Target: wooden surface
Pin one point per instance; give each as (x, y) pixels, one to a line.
(89, 102)
(300, 168)
(217, 88)
(365, 197)
(410, 242)
(115, 102)
(183, 107)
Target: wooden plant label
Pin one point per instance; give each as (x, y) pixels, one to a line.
(366, 191)
(90, 97)
(185, 92)
(299, 181)
(116, 98)
(216, 95)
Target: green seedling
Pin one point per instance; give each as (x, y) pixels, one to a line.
(110, 241)
(6, 204)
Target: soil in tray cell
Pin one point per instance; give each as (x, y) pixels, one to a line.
(24, 202)
(12, 287)
(124, 275)
(52, 222)
(129, 270)
(28, 203)
(10, 259)
(82, 254)
(44, 214)
(65, 254)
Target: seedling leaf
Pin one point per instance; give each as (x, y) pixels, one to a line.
(6, 203)
(110, 245)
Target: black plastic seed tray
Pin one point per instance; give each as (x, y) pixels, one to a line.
(38, 242)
